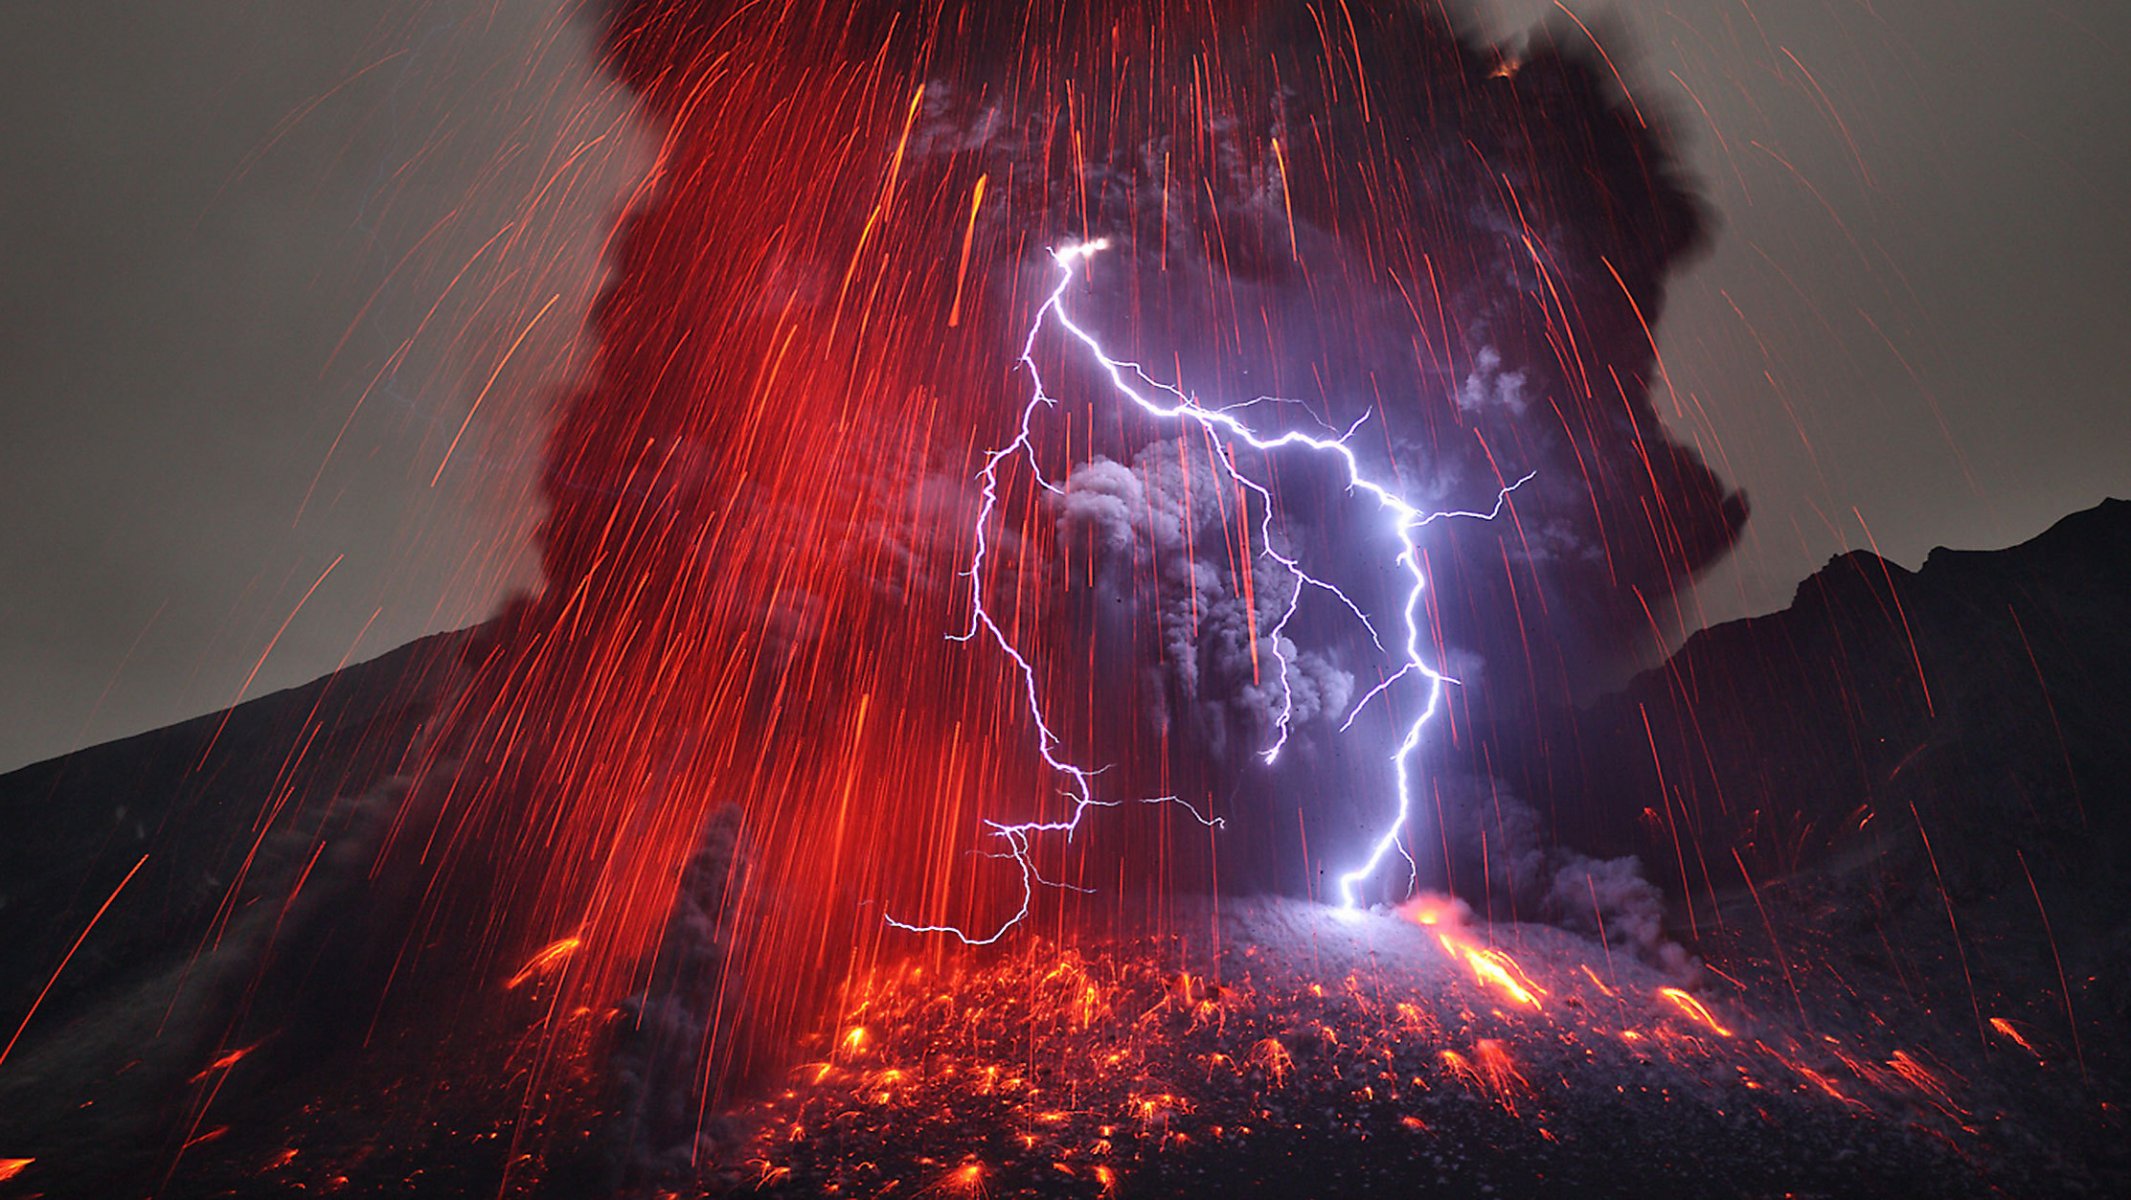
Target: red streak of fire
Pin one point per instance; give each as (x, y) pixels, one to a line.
(67, 958)
(1694, 1008)
(11, 1167)
(225, 1062)
(1495, 967)
(549, 957)
(1491, 1070)
(1489, 966)
(2005, 1027)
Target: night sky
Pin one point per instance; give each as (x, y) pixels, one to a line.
(263, 262)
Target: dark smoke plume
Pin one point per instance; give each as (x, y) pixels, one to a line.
(1482, 311)
(1358, 216)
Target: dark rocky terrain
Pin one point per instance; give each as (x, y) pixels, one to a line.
(1911, 909)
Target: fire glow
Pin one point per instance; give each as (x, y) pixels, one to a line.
(1140, 1065)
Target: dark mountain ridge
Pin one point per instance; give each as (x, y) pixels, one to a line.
(1900, 795)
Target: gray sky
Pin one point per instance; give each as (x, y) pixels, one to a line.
(1912, 316)
(224, 225)
(258, 259)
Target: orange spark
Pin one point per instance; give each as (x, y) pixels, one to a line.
(225, 1062)
(1274, 1058)
(967, 1180)
(969, 236)
(1491, 1070)
(2005, 1027)
(1923, 1080)
(1499, 969)
(11, 1167)
(1694, 1008)
(1489, 966)
(546, 960)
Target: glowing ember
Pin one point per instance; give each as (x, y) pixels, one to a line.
(1693, 1008)
(1489, 966)
(1386, 1047)
(549, 957)
(224, 1063)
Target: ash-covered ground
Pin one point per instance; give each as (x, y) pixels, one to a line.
(1284, 1048)
(1928, 998)
(1313, 1052)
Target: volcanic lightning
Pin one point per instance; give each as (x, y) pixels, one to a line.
(1128, 379)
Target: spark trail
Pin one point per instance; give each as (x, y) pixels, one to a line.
(1226, 428)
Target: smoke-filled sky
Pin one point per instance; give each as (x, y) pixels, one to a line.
(261, 262)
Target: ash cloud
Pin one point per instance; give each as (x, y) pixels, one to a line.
(1481, 308)
(1459, 251)
(1145, 520)
(659, 1130)
(1494, 848)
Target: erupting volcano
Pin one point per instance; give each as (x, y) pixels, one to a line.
(1104, 632)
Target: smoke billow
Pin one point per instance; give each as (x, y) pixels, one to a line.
(1364, 221)
(1456, 252)
(1146, 520)
(660, 1129)
(1493, 847)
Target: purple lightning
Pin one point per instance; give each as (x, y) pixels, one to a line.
(1407, 522)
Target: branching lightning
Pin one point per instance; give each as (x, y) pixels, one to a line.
(1134, 384)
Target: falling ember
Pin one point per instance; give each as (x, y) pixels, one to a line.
(1272, 1058)
(1489, 1070)
(1491, 967)
(2006, 1030)
(1694, 1008)
(1926, 1082)
(548, 958)
(1495, 967)
(855, 1041)
(11, 1167)
(966, 1180)
(224, 1063)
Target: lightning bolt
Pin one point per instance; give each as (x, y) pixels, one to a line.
(1167, 402)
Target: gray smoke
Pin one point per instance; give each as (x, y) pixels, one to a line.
(1166, 517)
(1494, 849)
(660, 1129)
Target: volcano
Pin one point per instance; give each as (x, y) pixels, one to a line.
(1919, 988)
